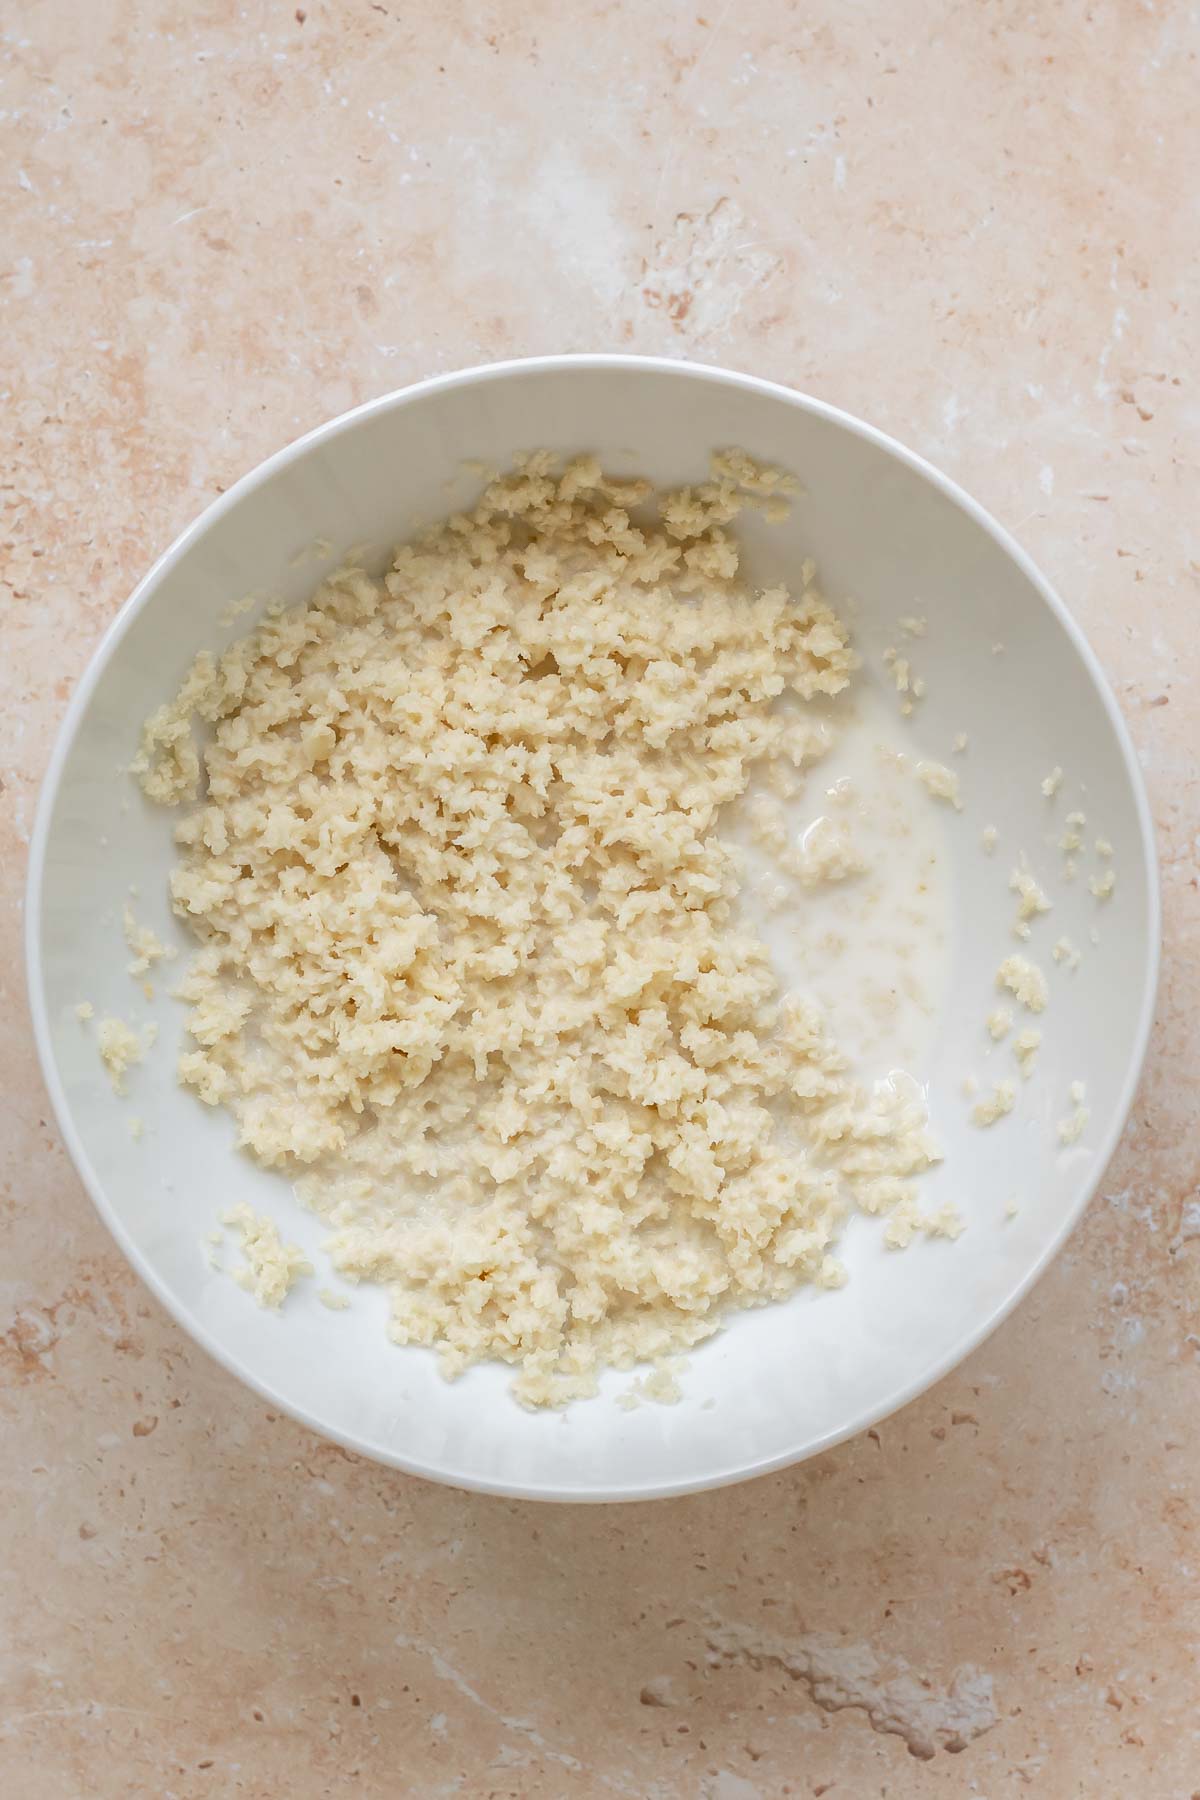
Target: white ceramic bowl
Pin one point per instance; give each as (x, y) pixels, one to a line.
(777, 1384)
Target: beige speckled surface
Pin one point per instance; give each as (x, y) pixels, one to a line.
(977, 226)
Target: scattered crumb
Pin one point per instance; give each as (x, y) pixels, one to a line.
(1071, 1129)
(997, 649)
(914, 627)
(1103, 885)
(1011, 1210)
(120, 1048)
(271, 1265)
(1031, 898)
(1103, 847)
(989, 838)
(85, 1011)
(661, 1386)
(899, 668)
(335, 1302)
(1052, 782)
(136, 1128)
(236, 608)
(317, 551)
(904, 1222)
(1064, 951)
(1070, 869)
(960, 743)
(1000, 1023)
(1072, 837)
(1025, 1048)
(142, 941)
(970, 1086)
(941, 782)
(999, 1103)
(946, 1222)
(824, 854)
(906, 683)
(1024, 981)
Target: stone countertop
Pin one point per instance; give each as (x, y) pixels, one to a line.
(977, 226)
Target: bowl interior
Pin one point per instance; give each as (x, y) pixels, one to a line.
(1000, 662)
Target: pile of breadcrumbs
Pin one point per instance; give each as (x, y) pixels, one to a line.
(471, 955)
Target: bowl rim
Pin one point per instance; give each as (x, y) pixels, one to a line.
(295, 451)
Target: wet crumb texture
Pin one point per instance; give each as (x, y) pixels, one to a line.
(471, 960)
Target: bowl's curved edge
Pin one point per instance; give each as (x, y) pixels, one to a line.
(109, 643)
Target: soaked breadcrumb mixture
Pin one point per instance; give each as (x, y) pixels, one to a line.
(471, 961)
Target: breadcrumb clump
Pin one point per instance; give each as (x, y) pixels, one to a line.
(903, 1225)
(941, 782)
(146, 947)
(825, 855)
(946, 1222)
(120, 1048)
(660, 1386)
(1072, 837)
(906, 1221)
(909, 686)
(1071, 1129)
(272, 1267)
(1024, 981)
(999, 1102)
(1031, 898)
(471, 959)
